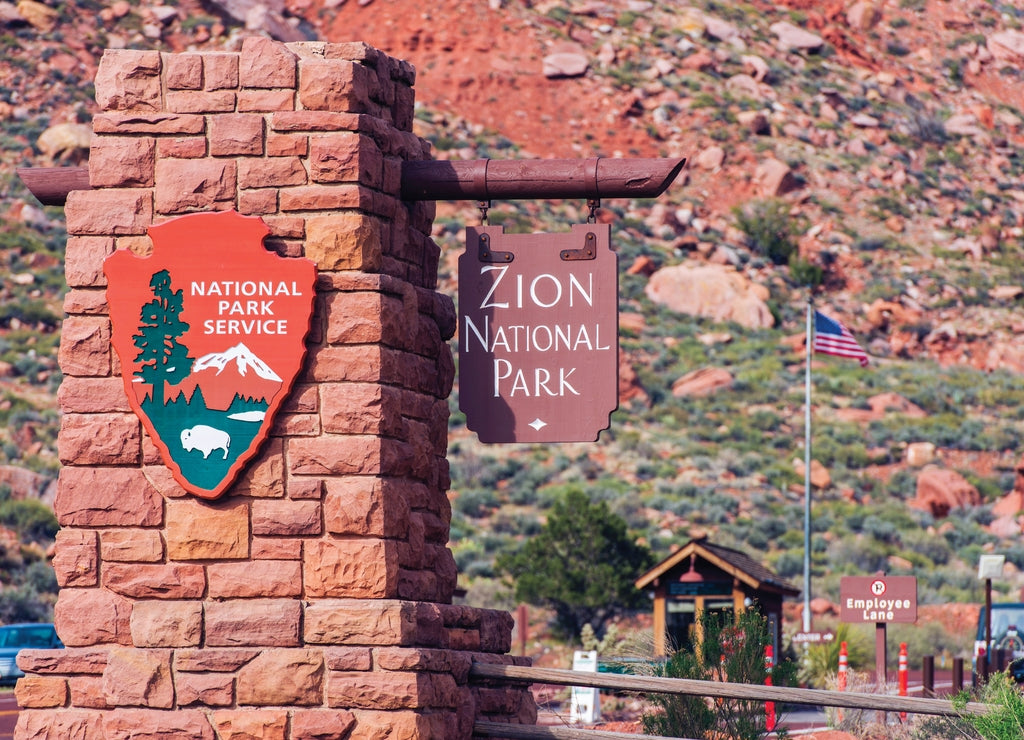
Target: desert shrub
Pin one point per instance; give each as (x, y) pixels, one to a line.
(728, 651)
(769, 228)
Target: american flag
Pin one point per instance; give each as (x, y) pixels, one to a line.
(832, 338)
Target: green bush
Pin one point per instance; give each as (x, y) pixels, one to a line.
(729, 651)
(769, 228)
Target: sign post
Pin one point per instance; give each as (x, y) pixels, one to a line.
(880, 599)
(989, 567)
(538, 334)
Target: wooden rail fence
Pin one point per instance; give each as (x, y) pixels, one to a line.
(684, 686)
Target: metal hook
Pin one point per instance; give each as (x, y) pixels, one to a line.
(484, 206)
(593, 204)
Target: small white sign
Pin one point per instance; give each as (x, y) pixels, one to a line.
(990, 566)
(586, 702)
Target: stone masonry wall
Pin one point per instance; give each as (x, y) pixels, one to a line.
(313, 600)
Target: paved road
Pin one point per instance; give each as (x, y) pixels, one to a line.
(8, 715)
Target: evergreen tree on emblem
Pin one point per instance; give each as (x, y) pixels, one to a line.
(162, 358)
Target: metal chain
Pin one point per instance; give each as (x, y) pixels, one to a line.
(593, 204)
(484, 206)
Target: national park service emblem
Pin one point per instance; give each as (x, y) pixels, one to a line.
(210, 330)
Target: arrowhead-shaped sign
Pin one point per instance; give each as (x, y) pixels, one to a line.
(210, 332)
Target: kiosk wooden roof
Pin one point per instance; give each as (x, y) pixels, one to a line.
(737, 564)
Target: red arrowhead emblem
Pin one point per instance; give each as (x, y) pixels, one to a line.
(210, 330)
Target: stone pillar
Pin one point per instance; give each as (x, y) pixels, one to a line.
(313, 600)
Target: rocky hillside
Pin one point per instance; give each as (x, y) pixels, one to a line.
(870, 149)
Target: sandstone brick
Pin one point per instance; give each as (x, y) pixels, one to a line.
(357, 364)
(155, 581)
(326, 198)
(335, 85)
(140, 246)
(321, 724)
(305, 488)
(140, 678)
(241, 724)
(277, 578)
(217, 660)
(264, 477)
(424, 659)
(266, 64)
(76, 557)
(362, 318)
(235, 134)
(135, 724)
(162, 123)
(107, 620)
(85, 346)
(282, 677)
(344, 241)
(64, 660)
(347, 157)
(263, 622)
(385, 690)
(354, 568)
(202, 530)
(381, 725)
(83, 260)
(128, 80)
(47, 725)
(365, 506)
(99, 439)
(304, 399)
(220, 70)
(131, 546)
(296, 425)
(183, 71)
(200, 101)
(87, 692)
(182, 147)
(335, 455)
(160, 477)
(109, 211)
(122, 162)
(92, 302)
(113, 497)
(257, 202)
(37, 692)
(287, 145)
(310, 120)
(348, 658)
(276, 548)
(265, 101)
(189, 184)
(209, 689)
(273, 172)
(372, 622)
(165, 624)
(286, 517)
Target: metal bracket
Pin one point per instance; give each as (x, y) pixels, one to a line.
(587, 252)
(484, 253)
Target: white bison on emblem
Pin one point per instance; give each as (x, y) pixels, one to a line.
(205, 439)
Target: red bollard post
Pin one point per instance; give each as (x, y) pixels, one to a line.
(769, 706)
(903, 675)
(841, 676)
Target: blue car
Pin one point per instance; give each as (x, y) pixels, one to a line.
(17, 637)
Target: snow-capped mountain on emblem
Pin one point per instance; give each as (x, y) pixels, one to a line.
(235, 371)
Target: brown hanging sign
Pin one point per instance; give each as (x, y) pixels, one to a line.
(210, 333)
(538, 334)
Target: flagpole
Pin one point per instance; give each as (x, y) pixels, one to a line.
(807, 472)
